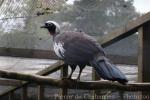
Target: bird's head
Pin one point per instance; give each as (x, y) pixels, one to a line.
(52, 27)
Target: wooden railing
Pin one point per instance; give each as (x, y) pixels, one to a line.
(140, 25)
(24, 85)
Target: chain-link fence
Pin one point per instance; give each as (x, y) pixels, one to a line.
(20, 23)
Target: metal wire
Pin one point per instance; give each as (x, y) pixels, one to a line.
(18, 17)
(11, 5)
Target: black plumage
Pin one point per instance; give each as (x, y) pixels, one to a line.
(78, 48)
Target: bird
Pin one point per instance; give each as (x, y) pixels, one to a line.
(80, 49)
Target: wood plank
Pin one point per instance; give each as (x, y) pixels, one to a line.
(64, 74)
(140, 53)
(95, 77)
(30, 53)
(24, 93)
(73, 84)
(144, 53)
(144, 56)
(10, 96)
(118, 59)
(41, 92)
(51, 68)
(10, 82)
(130, 28)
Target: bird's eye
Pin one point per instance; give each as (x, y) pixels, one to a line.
(48, 24)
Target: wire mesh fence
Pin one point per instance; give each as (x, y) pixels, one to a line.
(20, 22)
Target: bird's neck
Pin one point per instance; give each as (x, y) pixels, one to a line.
(54, 35)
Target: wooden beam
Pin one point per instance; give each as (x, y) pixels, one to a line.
(144, 53)
(130, 28)
(52, 68)
(40, 92)
(144, 56)
(45, 71)
(140, 53)
(24, 93)
(118, 59)
(10, 96)
(10, 82)
(73, 84)
(30, 53)
(95, 77)
(64, 73)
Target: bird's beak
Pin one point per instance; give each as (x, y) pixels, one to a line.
(43, 26)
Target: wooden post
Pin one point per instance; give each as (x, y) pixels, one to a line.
(64, 73)
(11, 95)
(144, 56)
(95, 77)
(24, 93)
(40, 92)
(140, 54)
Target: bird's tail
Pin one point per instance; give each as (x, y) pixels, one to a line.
(107, 70)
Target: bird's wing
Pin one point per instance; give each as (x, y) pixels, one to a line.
(81, 48)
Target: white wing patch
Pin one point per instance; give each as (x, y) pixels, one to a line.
(59, 50)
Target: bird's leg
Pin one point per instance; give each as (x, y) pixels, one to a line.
(81, 67)
(73, 67)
